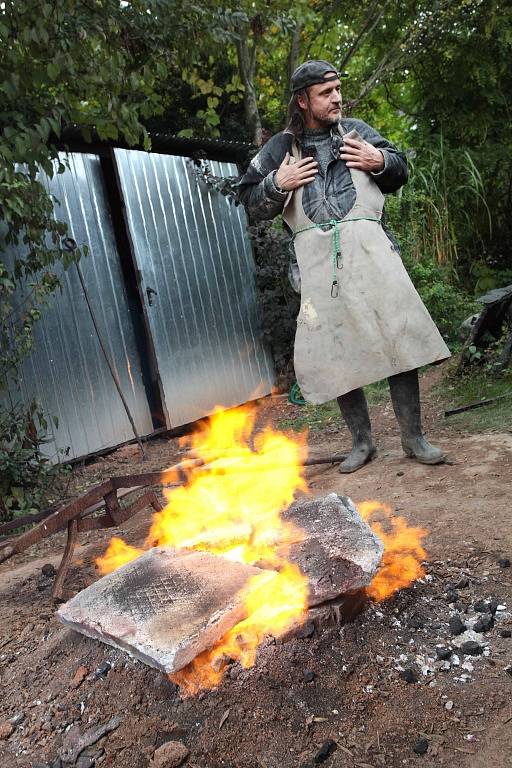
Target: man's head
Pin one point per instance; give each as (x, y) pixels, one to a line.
(316, 98)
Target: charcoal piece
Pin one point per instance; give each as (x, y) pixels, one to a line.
(339, 553)
(443, 653)
(471, 648)
(481, 606)
(504, 562)
(493, 606)
(416, 621)
(328, 747)
(456, 625)
(421, 747)
(409, 675)
(484, 623)
(505, 633)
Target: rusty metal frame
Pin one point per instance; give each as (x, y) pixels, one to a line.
(76, 516)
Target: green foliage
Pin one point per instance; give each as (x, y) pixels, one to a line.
(445, 301)
(27, 477)
(279, 304)
(319, 418)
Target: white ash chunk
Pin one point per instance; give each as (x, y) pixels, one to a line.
(340, 552)
(165, 607)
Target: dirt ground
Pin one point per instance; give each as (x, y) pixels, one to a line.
(344, 683)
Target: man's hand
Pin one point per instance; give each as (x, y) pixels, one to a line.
(297, 174)
(361, 155)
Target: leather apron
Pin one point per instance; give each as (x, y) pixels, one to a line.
(360, 318)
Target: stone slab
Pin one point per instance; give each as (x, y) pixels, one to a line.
(165, 607)
(340, 552)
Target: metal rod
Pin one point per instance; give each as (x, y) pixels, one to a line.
(111, 368)
(479, 404)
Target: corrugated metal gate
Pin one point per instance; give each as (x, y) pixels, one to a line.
(195, 283)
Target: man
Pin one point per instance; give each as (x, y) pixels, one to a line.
(361, 319)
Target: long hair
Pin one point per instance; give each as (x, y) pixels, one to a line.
(296, 116)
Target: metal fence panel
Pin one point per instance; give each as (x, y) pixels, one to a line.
(67, 372)
(191, 248)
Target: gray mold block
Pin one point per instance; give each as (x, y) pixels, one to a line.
(165, 607)
(340, 552)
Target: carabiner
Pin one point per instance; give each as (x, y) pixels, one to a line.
(335, 289)
(339, 260)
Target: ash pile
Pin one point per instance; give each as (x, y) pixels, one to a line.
(169, 606)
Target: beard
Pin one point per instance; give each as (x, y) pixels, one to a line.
(328, 119)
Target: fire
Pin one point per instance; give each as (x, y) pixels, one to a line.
(275, 602)
(403, 550)
(233, 485)
(118, 553)
(236, 483)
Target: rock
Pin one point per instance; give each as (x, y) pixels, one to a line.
(409, 675)
(170, 755)
(74, 742)
(165, 607)
(505, 633)
(6, 729)
(452, 596)
(456, 625)
(49, 571)
(17, 719)
(484, 623)
(462, 583)
(443, 653)
(421, 747)
(85, 760)
(449, 706)
(504, 562)
(481, 606)
(79, 676)
(328, 747)
(508, 670)
(400, 474)
(471, 648)
(339, 553)
(308, 676)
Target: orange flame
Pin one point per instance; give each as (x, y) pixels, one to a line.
(231, 506)
(118, 553)
(403, 550)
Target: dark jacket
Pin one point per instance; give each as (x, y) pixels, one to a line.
(262, 200)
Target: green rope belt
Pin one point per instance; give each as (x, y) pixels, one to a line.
(336, 257)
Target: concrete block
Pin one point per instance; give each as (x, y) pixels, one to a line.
(165, 607)
(340, 552)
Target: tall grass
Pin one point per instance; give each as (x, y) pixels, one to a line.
(449, 205)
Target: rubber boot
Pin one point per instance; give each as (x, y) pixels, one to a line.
(354, 410)
(405, 396)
